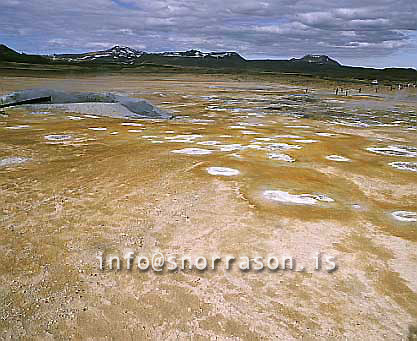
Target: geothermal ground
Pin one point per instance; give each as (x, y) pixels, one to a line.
(252, 168)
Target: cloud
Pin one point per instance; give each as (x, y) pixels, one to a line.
(281, 28)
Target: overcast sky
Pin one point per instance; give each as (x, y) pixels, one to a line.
(375, 33)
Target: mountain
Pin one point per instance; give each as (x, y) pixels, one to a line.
(194, 58)
(125, 57)
(199, 54)
(117, 54)
(316, 59)
(9, 55)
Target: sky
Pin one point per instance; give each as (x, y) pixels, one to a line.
(377, 33)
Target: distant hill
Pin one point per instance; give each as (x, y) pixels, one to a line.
(333, 70)
(127, 55)
(9, 55)
(117, 54)
(194, 58)
(123, 56)
(199, 54)
(316, 59)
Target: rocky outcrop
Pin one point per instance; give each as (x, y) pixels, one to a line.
(136, 107)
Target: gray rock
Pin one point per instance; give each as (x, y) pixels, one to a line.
(137, 107)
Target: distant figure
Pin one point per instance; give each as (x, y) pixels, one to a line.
(306, 91)
(360, 90)
(347, 92)
(337, 91)
(376, 89)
